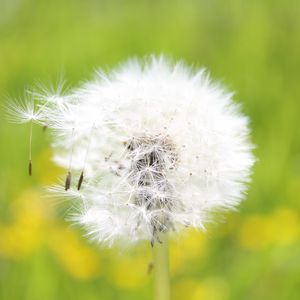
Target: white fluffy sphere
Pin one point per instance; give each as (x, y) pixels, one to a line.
(161, 148)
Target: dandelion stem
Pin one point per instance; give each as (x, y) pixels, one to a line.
(161, 269)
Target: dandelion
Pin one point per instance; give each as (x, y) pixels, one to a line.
(155, 147)
(25, 112)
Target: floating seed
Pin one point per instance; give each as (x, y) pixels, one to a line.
(150, 267)
(30, 167)
(152, 242)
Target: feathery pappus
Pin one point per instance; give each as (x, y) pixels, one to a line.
(151, 147)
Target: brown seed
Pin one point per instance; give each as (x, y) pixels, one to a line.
(30, 167)
(150, 267)
(80, 181)
(152, 242)
(68, 181)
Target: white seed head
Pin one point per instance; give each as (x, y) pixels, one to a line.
(160, 147)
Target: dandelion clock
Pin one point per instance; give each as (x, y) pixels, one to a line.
(150, 148)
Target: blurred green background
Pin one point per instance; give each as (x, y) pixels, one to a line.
(253, 47)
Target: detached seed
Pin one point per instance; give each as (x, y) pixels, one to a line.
(30, 167)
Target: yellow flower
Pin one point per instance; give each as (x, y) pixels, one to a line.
(129, 272)
(192, 245)
(252, 232)
(212, 288)
(78, 259)
(282, 227)
(25, 234)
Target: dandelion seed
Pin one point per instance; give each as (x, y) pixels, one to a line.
(30, 167)
(85, 159)
(25, 112)
(68, 181)
(80, 181)
(150, 267)
(30, 151)
(69, 176)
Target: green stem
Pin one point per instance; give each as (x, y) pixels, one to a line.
(161, 270)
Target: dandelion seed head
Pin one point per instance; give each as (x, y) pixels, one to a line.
(162, 147)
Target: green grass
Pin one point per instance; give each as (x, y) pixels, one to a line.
(250, 46)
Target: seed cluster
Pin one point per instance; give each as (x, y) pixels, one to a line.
(152, 158)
